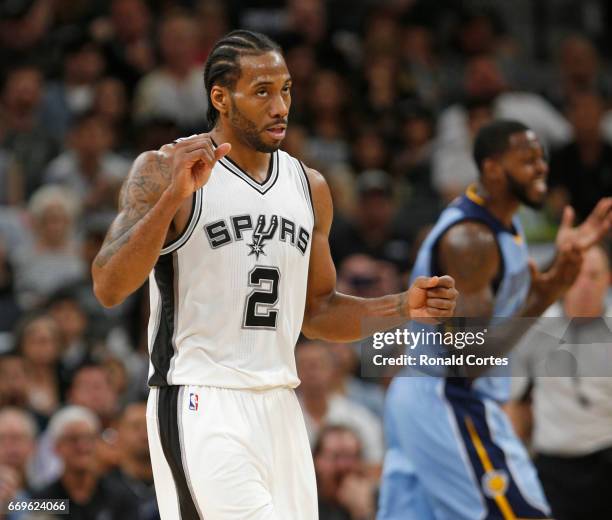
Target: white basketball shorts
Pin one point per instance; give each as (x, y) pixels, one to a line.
(224, 454)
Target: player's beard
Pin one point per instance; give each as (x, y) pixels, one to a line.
(247, 131)
(519, 191)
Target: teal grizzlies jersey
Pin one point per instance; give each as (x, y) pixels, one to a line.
(451, 451)
(511, 286)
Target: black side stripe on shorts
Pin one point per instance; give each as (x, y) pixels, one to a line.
(169, 434)
(163, 350)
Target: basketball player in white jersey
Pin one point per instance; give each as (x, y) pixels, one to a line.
(233, 235)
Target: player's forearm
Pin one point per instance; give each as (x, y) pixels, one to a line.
(344, 318)
(538, 302)
(131, 250)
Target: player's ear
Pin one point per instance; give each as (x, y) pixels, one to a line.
(219, 97)
(492, 169)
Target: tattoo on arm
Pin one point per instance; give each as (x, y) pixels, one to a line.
(138, 195)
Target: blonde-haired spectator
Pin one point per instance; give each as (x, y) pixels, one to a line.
(73, 433)
(174, 90)
(50, 259)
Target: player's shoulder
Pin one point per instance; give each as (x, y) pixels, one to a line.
(321, 195)
(317, 181)
(153, 164)
(148, 177)
(469, 233)
(469, 243)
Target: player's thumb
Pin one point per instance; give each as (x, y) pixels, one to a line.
(222, 150)
(567, 220)
(424, 282)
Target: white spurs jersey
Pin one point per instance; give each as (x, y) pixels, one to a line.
(228, 296)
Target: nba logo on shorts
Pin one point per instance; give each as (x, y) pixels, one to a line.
(193, 402)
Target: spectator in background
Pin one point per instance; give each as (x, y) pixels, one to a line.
(73, 432)
(421, 67)
(382, 90)
(308, 18)
(24, 141)
(174, 90)
(92, 388)
(89, 167)
(347, 383)
(571, 414)
(23, 26)
(373, 229)
(367, 277)
(73, 94)
(134, 472)
(10, 311)
(126, 37)
(322, 407)
(212, 23)
(302, 63)
(581, 171)
(72, 323)
(328, 118)
(345, 492)
(416, 133)
(38, 340)
(579, 71)
(483, 79)
(17, 442)
(412, 168)
(111, 103)
(154, 133)
(101, 322)
(453, 166)
(14, 390)
(50, 260)
(369, 151)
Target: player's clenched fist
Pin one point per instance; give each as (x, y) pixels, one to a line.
(431, 298)
(191, 160)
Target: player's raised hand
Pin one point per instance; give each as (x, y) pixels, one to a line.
(552, 284)
(595, 227)
(191, 160)
(431, 299)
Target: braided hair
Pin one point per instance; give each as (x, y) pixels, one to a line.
(223, 67)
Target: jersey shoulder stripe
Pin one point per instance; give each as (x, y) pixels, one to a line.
(305, 184)
(196, 210)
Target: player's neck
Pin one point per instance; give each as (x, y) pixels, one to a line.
(501, 207)
(255, 163)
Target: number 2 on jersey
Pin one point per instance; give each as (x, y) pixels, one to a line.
(259, 311)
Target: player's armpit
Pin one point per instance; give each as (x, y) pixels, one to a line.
(321, 272)
(469, 253)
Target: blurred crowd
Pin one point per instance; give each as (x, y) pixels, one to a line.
(387, 98)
